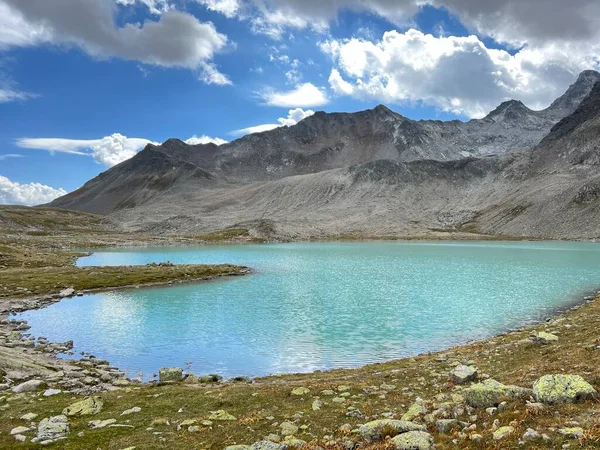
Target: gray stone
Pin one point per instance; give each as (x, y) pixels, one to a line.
(101, 423)
(288, 429)
(574, 433)
(91, 405)
(69, 292)
(543, 338)
(19, 430)
(29, 416)
(530, 435)
(413, 440)
(53, 428)
(503, 432)
(135, 409)
(491, 393)
(28, 386)
(463, 374)
(170, 374)
(446, 425)
(372, 431)
(268, 445)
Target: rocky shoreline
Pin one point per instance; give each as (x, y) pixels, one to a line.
(25, 357)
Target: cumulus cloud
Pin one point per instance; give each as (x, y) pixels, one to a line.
(195, 140)
(109, 150)
(294, 116)
(176, 39)
(229, 8)
(457, 74)
(304, 95)
(27, 194)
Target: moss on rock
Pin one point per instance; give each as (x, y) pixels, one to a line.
(562, 389)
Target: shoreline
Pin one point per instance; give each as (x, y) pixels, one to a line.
(13, 307)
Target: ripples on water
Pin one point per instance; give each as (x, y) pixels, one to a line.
(320, 305)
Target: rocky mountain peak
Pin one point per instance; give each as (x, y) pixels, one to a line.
(570, 100)
(510, 110)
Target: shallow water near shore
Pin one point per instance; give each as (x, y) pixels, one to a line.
(310, 306)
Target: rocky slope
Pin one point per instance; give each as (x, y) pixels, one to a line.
(373, 172)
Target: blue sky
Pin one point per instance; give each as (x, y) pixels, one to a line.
(76, 99)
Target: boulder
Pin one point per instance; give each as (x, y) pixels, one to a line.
(52, 428)
(552, 389)
(463, 374)
(492, 393)
(377, 429)
(29, 386)
(69, 292)
(91, 405)
(413, 440)
(170, 374)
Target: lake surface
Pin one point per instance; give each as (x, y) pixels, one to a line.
(315, 306)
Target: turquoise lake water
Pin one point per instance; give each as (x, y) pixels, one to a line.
(312, 306)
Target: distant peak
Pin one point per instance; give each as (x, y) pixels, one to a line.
(513, 106)
(588, 76)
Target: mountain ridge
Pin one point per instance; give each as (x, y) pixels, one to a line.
(371, 171)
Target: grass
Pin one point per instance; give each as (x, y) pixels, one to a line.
(41, 262)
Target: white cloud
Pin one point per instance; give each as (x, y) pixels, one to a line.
(10, 155)
(11, 95)
(195, 140)
(176, 39)
(458, 74)
(304, 95)
(294, 116)
(109, 150)
(27, 194)
(229, 8)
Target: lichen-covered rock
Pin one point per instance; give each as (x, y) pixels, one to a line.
(530, 435)
(317, 405)
(413, 440)
(91, 405)
(503, 432)
(221, 415)
(52, 428)
(295, 443)
(492, 393)
(237, 447)
(101, 423)
(562, 389)
(374, 431)
(463, 374)
(170, 374)
(300, 391)
(574, 433)
(544, 338)
(288, 429)
(268, 445)
(416, 410)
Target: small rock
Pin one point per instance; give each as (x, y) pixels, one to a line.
(574, 433)
(69, 292)
(170, 374)
(101, 423)
(135, 409)
(446, 425)
(29, 416)
(50, 392)
(417, 409)
(19, 430)
(288, 429)
(20, 437)
(372, 431)
(413, 440)
(317, 404)
(221, 415)
(237, 447)
(503, 432)
(193, 428)
(268, 445)
(463, 374)
(530, 435)
(300, 391)
(543, 338)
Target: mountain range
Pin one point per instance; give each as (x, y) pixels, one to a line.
(516, 172)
